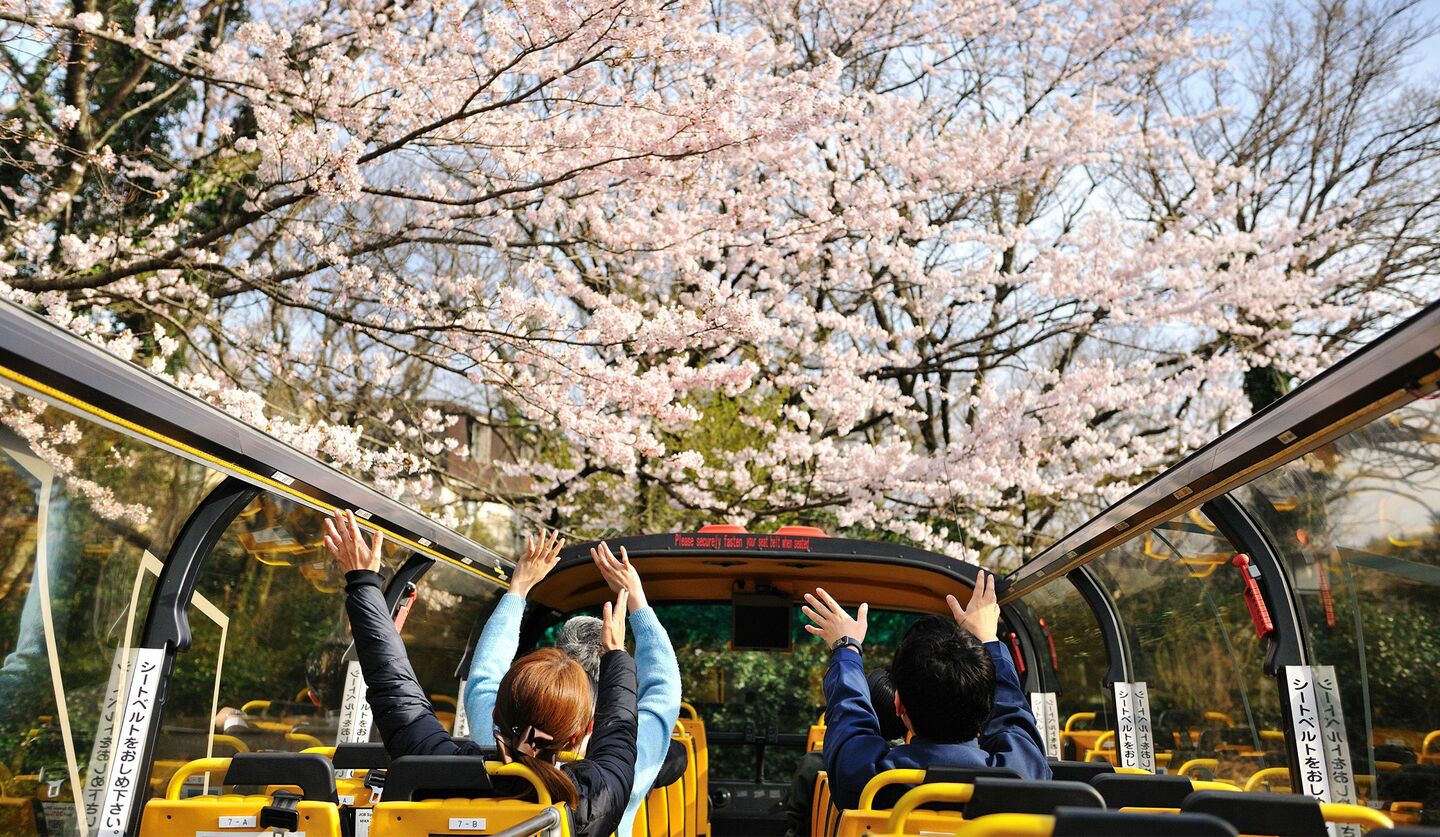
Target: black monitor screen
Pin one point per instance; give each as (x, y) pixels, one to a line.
(760, 622)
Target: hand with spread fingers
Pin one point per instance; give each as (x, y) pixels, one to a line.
(612, 618)
(620, 574)
(542, 553)
(982, 616)
(832, 623)
(345, 541)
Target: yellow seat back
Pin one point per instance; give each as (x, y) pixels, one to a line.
(468, 816)
(867, 819)
(689, 782)
(690, 720)
(174, 817)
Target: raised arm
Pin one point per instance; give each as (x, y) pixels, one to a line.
(500, 638)
(854, 744)
(658, 672)
(403, 714)
(607, 773)
(1010, 735)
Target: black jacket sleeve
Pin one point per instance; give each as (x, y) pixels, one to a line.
(406, 719)
(605, 776)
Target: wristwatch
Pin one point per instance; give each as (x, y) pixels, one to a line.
(844, 641)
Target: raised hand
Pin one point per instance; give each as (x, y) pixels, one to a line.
(831, 620)
(345, 541)
(620, 574)
(542, 553)
(612, 618)
(982, 616)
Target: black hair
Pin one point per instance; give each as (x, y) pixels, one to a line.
(946, 680)
(882, 698)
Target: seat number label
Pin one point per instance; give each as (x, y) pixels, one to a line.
(237, 822)
(467, 823)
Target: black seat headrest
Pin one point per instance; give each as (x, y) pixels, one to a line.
(1282, 814)
(1027, 796)
(310, 772)
(1088, 822)
(1078, 771)
(676, 760)
(1132, 790)
(412, 778)
(361, 756)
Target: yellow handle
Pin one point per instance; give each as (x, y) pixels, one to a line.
(1201, 784)
(685, 707)
(1008, 825)
(327, 752)
(232, 741)
(194, 768)
(1088, 717)
(1264, 775)
(936, 792)
(445, 699)
(1366, 818)
(309, 741)
(542, 795)
(1430, 738)
(255, 706)
(1195, 764)
(898, 776)
(1133, 771)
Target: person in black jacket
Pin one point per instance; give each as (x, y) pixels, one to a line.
(539, 690)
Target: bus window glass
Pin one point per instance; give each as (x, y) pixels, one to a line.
(1213, 712)
(1080, 663)
(1357, 522)
(760, 690)
(87, 515)
(442, 623)
(270, 637)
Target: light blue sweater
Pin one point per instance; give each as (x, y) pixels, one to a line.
(659, 699)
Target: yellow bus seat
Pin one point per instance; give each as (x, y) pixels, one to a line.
(690, 782)
(399, 814)
(693, 724)
(657, 812)
(1430, 748)
(819, 802)
(1281, 813)
(313, 810)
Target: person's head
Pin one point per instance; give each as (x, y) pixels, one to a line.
(944, 681)
(543, 707)
(882, 697)
(579, 638)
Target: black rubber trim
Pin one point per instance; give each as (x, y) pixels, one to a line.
(1287, 645)
(1112, 627)
(311, 772)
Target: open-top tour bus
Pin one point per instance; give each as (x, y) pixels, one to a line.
(177, 659)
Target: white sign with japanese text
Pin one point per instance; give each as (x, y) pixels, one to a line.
(1047, 718)
(355, 718)
(132, 732)
(1305, 722)
(462, 718)
(1144, 739)
(1337, 746)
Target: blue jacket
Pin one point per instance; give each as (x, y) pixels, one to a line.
(658, 703)
(855, 750)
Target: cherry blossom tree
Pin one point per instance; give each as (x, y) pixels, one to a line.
(888, 266)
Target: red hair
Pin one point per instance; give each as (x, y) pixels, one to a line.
(543, 706)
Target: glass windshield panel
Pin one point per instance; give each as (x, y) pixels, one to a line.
(1214, 713)
(270, 637)
(1357, 523)
(443, 622)
(87, 515)
(1080, 663)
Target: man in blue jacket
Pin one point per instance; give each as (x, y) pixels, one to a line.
(955, 688)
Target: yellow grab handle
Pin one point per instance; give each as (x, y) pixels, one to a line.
(255, 706)
(914, 798)
(898, 776)
(1201, 784)
(1088, 717)
(193, 768)
(1264, 775)
(1008, 825)
(685, 707)
(542, 794)
(232, 741)
(1366, 818)
(1195, 764)
(327, 752)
